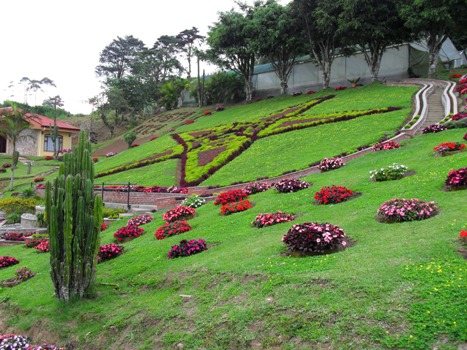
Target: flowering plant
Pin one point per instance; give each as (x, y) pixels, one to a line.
(447, 147)
(6, 165)
(14, 236)
(465, 137)
(111, 154)
(33, 242)
(95, 159)
(340, 87)
(256, 187)
(109, 251)
(6, 261)
(463, 236)
(104, 226)
(459, 116)
(140, 220)
(178, 213)
(230, 196)
(48, 157)
(188, 122)
(187, 248)
(207, 112)
(330, 163)
(39, 179)
(270, 219)
(15, 342)
(220, 108)
(402, 209)
(24, 273)
(313, 237)
(310, 92)
(171, 229)
(291, 185)
(433, 128)
(152, 138)
(296, 93)
(134, 145)
(234, 207)
(391, 172)
(457, 178)
(42, 247)
(127, 232)
(384, 146)
(193, 201)
(333, 194)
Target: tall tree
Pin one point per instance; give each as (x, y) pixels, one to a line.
(434, 21)
(35, 85)
(231, 41)
(13, 121)
(374, 25)
(187, 42)
(54, 102)
(278, 39)
(319, 20)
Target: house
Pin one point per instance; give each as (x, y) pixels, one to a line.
(36, 140)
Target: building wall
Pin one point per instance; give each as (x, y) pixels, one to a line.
(67, 142)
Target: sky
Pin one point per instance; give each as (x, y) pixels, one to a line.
(62, 40)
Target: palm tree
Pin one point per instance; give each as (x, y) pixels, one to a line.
(12, 122)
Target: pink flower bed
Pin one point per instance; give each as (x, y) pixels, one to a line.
(269, 219)
(180, 212)
(402, 209)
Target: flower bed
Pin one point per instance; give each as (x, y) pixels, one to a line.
(434, 128)
(446, 148)
(38, 179)
(391, 172)
(193, 201)
(256, 187)
(187, 248)
(384, 146)
(33, 242)
(140, 220)
(6, 261)
(14, 236)
(333, 194)
(314, 238)
(171, 229)
(180, 212)
(330, 163)
(128, 232)
(291, 185)
(463, 236)
(402, 209)
(6, 165)
(459, 116)
(235, 207)
(269, 219)
(457, 179)
(109, 251)
(111, 154)
(43, 247)
(22, 274)
(230, 196)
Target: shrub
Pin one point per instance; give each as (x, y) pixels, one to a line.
(384, 146)
(459, 116)
(13, 218)
(22, 205)
(207, 112)
(24, 273)
(109, 251)
(95, 160)
(171, 229)
(235, 207)
(391, 172)
(457, 178)
(291, 185)
(193, 201)
(402, 209)
(14, 236)
(140, 220)
(340, 87)
(2, 170)
(6, 165)
(434, 128)
(48, 157)
(220, 108)
(187, 248)
(38, 179)
(463, 236)
(296, 93)
(456, 124)
(33, 242)
(104, 226)
(188, 122)
(333, 194)
(330, 163)
(180, 212)
(133, 145)
(6, 261)
(230, 196)
(111, 154)
(112, 213)
(310, 92)
(313, 237)
(128, 232)
(270, 219)
(256, 187)
(465, 137)
(448, 147)
(42, 247)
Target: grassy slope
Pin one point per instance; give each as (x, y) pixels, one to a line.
(401, 285)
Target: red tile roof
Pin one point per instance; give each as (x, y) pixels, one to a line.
(38, 121)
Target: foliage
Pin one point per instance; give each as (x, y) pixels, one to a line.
(222, 87)
(187, 248)
(14, 236)
(448, 147)
(24, 273)
(129, 138)
(172, 228)
(33, 242)
(43, 246)
(109, 251)
(15, 342)
(333, 194)
(128, 232)
(457, 178)
(290, 185)
(330, 163)
(455, 124)
(313, 237)
(459, 116)
(193, 201)
(463, 237)
(402, 209)
(384, 146)
(13, 218)
(256, 187)
(391, 172)
(140, 220)
(112, 213)
(230, 196)
(269, 219)
(235, 207)
(180, 212)
(6, 261)
(433, 128)
(17, 204)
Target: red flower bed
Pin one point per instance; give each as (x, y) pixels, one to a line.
(6, 261)
(48, 157)
(333, 194)
(270, 219)
(208, 112)
(172, 229)
(188, 122)
(463, 236)
(104, 226)
(39, 179)
(447, 147)
(235, 207)
(230, 196)
(384, 146)
(128, 232)
(340, 87)
(180, 212)
(457, 178)
(42, 247)
(459, 116)
(14, 236)
(140, 220)
(33, 242)
(109, 251)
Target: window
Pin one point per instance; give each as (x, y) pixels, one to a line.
(49, 144)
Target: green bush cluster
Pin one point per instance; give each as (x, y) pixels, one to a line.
(17, 204)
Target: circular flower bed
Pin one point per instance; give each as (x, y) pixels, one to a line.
(446, 148)
(6, 261)
(180, 212)
(402, 209)
(256, 187)
(291, 185)
(193, 201)
(140, 220)
(187, 248)
(230, 196)
(434, 128)
(172, 229)
(314, 238)
(270, 219)
(384, 146)
(333, 194)
(331, 163)
(235, 207)
(391, 172)
(109, 251)
(43, 247)
(457, 179)
(128, 232)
